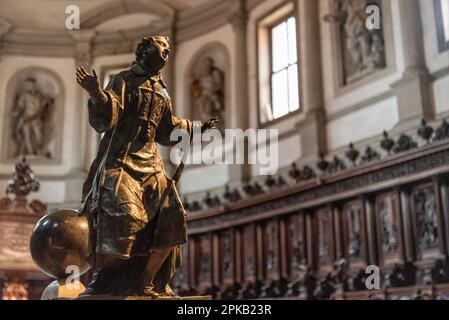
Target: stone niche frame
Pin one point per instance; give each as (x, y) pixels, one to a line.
(390, 52)
(220, 54)
(48, 76)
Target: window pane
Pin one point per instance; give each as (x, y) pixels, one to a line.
(292, 52)
(280, 94)
(279, 46)
(293, 91)
(445, 11)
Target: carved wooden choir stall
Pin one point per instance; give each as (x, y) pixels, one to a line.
(311, 234)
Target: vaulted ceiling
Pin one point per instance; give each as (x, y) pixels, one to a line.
(50, 15)
(108, 26)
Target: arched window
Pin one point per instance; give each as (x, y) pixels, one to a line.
(278, 70)
(284, 69)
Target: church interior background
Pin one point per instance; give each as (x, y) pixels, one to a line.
(363, 140)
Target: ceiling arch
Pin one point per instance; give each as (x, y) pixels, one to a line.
(117, 8)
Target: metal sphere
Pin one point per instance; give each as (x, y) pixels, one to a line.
(59, 240)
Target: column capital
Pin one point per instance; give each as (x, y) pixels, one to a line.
(239, 20)
(83, 46)
(84, 35)
(239, 17)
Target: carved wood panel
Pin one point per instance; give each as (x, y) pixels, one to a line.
(296, 244)
(425, 218)
(249, 253)
(15, 246)
(227, 257)
(325, 236)
(205, 261)
(354, 230)
(388, 218)
(271, 249)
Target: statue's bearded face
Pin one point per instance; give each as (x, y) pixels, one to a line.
(156, 53)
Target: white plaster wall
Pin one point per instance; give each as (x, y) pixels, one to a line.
(289, 151)
(196, 179)
(363, 123)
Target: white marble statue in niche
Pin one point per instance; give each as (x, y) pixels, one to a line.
(208, 91)
(362, 49)
(32, 120)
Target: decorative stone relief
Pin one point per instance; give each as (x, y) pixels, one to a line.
(33, 122)
(208, 84)
(362, 51)
(208, 98)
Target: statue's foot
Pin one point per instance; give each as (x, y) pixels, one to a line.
(89, 292)
(150, 293)
(170, 295)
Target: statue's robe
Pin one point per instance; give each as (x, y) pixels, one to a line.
(127, 179)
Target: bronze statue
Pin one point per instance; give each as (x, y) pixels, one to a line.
(137, 220)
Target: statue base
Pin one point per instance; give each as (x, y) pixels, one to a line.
(99, 297)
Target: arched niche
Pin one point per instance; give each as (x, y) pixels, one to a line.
(207, 82)
(34, 116)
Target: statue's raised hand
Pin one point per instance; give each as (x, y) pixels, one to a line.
(86, 81)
